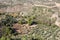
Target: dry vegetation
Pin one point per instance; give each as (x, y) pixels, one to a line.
(34, 24)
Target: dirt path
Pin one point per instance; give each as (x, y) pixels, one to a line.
(44, 6)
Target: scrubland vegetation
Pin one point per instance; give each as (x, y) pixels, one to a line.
(44, 27)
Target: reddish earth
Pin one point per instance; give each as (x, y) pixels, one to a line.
(23, 29)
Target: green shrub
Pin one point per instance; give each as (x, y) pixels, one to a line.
(22, 21)
(24, 38)
(29, 21)
(2, 38)
(5, 38)
(6, 31)
(8, 21)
